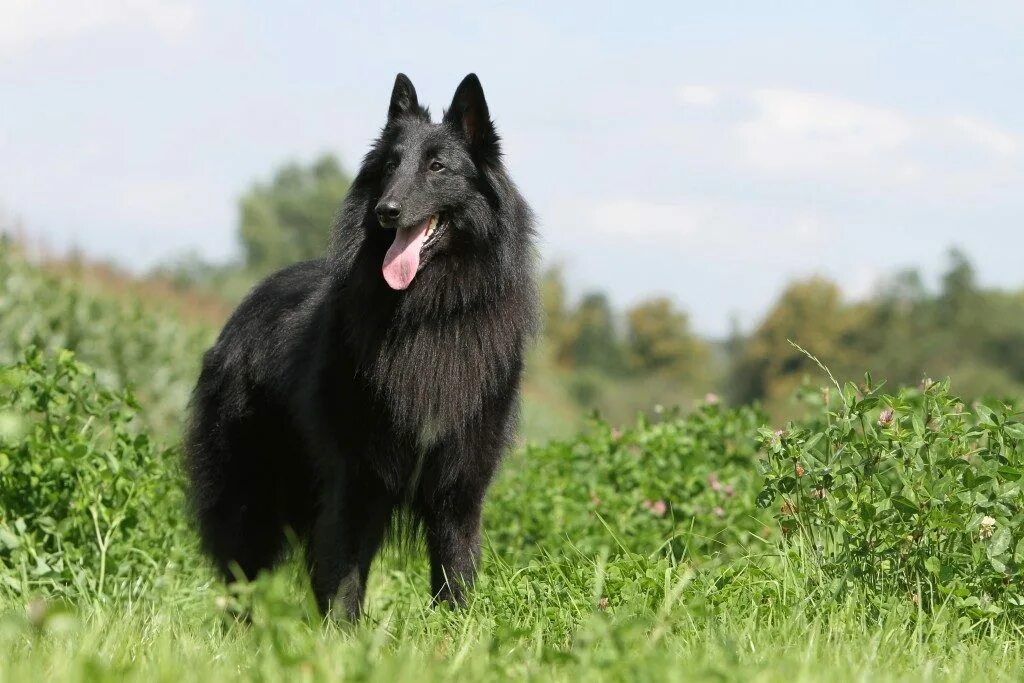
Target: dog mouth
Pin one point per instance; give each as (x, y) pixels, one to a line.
(407, 254)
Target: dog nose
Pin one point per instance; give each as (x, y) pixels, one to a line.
(388, 210)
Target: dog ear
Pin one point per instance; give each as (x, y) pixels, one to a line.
(468, 114)
(403, 98)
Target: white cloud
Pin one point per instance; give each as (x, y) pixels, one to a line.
(25, 24)
(986, 135)
(697, 95)
(698, 224)
(638, 219)
(793, 131)
(809, 135)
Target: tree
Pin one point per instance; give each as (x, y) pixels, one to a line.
(809, 313)
(555, 312)
(591, 341)
(658, 339)
(902, 334)
(290, 218)
(959, 291)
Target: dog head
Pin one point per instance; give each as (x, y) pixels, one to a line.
(434, 195)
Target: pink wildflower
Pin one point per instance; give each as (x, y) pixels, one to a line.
(658, 508)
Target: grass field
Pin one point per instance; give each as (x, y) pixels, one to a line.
(537, 628)
(878, 538)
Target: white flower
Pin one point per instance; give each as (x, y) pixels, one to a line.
(987, 527)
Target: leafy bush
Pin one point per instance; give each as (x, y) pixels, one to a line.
(685, 484)
(912, 495)
(88, 505)
(127, 343)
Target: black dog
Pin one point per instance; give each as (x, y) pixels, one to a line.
(381, 378)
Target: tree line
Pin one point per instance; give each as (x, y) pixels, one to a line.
(906, 333)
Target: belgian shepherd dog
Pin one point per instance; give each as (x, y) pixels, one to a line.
(379, 382)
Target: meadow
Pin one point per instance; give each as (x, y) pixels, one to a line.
(879, 536)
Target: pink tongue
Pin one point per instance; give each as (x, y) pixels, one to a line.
(403, 258)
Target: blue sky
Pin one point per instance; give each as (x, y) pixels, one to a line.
(709, 151)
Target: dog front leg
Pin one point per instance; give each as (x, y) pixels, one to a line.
(453, 540)
(347, 535)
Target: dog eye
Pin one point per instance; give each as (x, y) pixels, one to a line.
(436, 165)
(389, 167)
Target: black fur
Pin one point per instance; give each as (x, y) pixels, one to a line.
(331, 402)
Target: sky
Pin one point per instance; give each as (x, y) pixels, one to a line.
(710, 152)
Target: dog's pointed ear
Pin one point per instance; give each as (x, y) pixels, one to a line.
(403, 98)
(468, 113)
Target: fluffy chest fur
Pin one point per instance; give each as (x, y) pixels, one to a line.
(436, 376)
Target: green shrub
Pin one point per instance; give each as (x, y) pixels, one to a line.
(129, 341)
(685, 484)
(912, 495)
(88, 505)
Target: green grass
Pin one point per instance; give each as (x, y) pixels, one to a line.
(517, 628)
(582, 579)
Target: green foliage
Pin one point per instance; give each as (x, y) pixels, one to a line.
(290, 218)
(656, 359)
(594, 342)
(616, 552)
(769, 367)
(129, 344)
(658, 339)
(87, 503)
(683, 485)
(904, 495)
(555, 310)
(904, 333)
